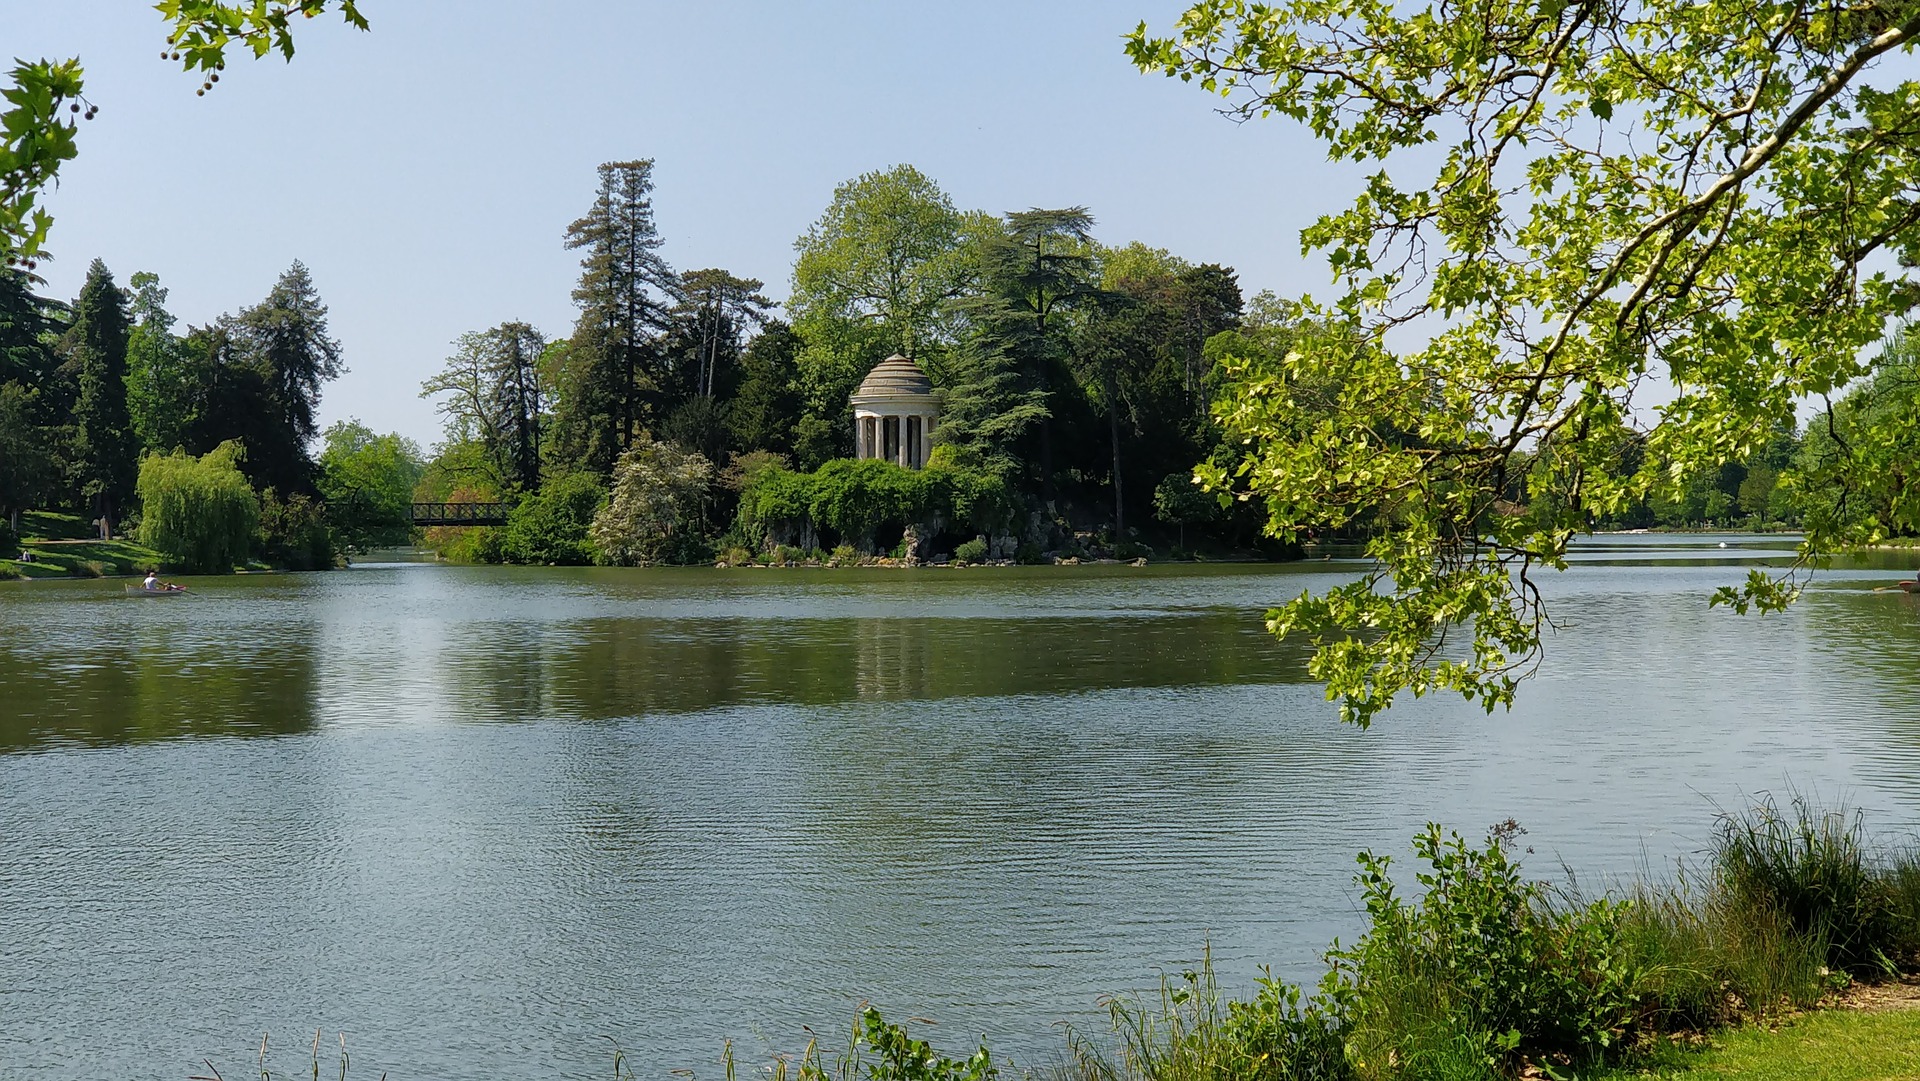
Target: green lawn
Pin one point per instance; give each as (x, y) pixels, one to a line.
(1832, 1045)
(63, 547)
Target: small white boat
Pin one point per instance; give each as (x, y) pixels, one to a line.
(143, 591)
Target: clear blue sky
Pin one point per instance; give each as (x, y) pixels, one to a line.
(425, 171)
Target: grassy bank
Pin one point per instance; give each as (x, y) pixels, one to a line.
(1833, 1045)
(65, 546)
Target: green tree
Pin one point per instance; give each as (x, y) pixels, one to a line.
(614, 370)
(716, 314)
(161, 383)
(657, 507)
(1038, 268)
(284, 339)
(492, 393)
(293, 533)
(766, 409)
(875, 275)
(551, 525)
(35, 406)
(889, 252)
(991, 410)
(1858, 471)
(198, 513)
(368, 481)
(107, 450)
(1575, 199)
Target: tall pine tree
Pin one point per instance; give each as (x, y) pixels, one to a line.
(615, 378)
(106, 446)
(284, 339)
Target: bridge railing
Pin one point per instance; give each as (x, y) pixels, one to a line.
(459, 514)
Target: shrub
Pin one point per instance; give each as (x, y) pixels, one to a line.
(654, 515)
(551, 525)
(9, 540)
(844, 555)
(786, 553)
(736, 557)
(474, 544)
(293, 533)
(1028, 554)
(198, 513)
(1485, 968)
(973, 551)
(856, 498)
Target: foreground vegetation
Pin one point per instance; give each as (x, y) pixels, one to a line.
(1483, 974)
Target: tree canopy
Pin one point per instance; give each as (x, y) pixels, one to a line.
(1574, 206)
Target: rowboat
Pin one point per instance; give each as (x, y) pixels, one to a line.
(142, 591)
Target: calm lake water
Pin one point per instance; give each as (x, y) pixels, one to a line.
(478, 819)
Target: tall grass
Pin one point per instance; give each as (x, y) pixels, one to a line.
(1189, 1032)
(1810, 869)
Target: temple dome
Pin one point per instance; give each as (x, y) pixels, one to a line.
(895, 377)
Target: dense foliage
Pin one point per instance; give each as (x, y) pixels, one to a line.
(1605, 246)
(654, 512)
(1074, 378)
(367, 481)
(198, 513)
(88, 389)
(550, 526)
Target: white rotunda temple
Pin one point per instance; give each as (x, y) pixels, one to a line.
(894, 413)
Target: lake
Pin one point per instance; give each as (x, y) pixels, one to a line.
(478, 819)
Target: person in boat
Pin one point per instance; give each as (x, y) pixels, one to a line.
(153, 584)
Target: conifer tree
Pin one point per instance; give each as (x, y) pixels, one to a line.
(107, 455)
(763, 415)
(625, 295)
(717, 311)
(1039, 267)
(284, 339)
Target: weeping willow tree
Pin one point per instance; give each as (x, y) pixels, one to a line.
(198, 513)
(1606, 246)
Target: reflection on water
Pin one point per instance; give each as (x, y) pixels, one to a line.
(498, 814)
